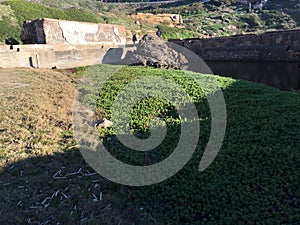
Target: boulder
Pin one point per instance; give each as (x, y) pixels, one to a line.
(153, 51)
(103, 123)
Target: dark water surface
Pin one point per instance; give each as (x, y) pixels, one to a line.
(282, 75)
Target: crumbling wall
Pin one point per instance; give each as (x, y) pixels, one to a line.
(169, 19)
(270, 46)
(51, 31)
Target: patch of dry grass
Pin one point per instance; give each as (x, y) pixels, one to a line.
(43, 177)
(35, 113)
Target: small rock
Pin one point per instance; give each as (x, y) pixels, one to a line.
(103, 123)
(232, 27)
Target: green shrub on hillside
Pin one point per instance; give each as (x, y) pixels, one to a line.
(176, 33)
(205, 19)
(253, 179)
(275, 20)
(8, 24)
(24, 10)
(250, 21)
(82, 15)
(7, 30)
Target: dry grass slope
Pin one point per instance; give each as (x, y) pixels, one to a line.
(36, 143)
(35, 112)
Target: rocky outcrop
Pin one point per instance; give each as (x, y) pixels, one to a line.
(51, 31)
(153, 51)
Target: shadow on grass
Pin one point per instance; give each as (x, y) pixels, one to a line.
(61, 189)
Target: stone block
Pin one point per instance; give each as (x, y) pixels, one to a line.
(51, 31)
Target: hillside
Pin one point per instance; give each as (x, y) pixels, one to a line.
(45, 180)
(215, 18)
(219, 18)
(14, 12)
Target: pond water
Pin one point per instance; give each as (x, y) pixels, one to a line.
(282, 75)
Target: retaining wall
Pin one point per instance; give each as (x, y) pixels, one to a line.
(270, 46)
(49, 56)
(52, 43)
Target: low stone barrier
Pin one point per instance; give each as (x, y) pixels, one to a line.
(51, 56)
(269, 46)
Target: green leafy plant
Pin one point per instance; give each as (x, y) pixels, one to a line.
(253, 178)
(176, 33)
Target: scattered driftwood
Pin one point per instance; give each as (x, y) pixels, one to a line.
(85, 173)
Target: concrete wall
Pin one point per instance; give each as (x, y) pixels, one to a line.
(270, 46)
(52, 43)
(51, 31)
(49, 56)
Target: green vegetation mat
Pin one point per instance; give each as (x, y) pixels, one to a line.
(255, 176)
(14, 12)
(216, 18)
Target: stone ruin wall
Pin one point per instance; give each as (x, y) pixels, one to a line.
(66, 44)
(50, 43)
(48, 56)
(270, 46)
(51, 31)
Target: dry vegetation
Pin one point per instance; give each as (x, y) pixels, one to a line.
(43, 178)
(35, 113)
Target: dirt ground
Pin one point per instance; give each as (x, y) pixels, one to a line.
(43, 177)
